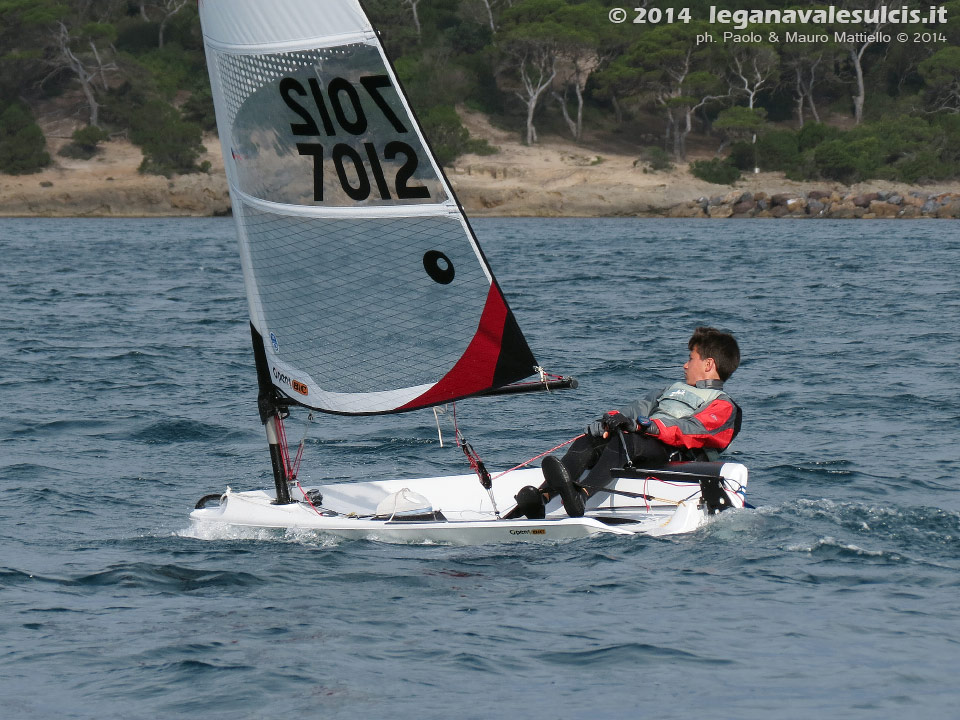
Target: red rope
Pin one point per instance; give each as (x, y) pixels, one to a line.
(297, 459)
(292, 468)
(537, 457)
(284, 453)
(474, 462)
(307, 498)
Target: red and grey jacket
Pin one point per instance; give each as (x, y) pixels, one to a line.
(700, 418)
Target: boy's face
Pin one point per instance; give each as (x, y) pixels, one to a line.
(697, 368)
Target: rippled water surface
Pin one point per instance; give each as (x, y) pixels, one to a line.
(128, 391)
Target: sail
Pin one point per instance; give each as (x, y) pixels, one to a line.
(367, 288)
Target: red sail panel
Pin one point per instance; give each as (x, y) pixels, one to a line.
(474, 371)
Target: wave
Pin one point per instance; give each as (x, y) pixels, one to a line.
(631, 654)
(180, 430)
(218, 531)
(888, 533)
(170, 578)
(148, 576)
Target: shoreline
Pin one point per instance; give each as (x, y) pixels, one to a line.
(556, 178)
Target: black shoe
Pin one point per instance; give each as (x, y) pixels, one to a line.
(530, 503)
(559, 483)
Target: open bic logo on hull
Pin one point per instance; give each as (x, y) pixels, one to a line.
(284, 379)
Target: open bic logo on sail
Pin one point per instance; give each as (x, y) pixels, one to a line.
(341, 112)
(284, 379)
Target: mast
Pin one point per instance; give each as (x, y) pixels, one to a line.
(272, 410)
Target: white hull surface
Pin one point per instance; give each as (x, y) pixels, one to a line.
(468, 518)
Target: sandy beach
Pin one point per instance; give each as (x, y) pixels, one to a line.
(555, 178)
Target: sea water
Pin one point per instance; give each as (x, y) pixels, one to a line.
(127, 391)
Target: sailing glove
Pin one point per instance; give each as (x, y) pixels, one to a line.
(614, 421)
(596, 429)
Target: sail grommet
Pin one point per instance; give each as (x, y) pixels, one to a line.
(438, 267)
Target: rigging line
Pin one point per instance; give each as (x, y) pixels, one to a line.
(476, 463)
(436, 416)
(672, 502)
(303, 440)
(537, 457)
(627, 493)
(284, 450)
(307, 498)
(543, 374)
(292, 467)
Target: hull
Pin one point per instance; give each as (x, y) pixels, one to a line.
(467, 515)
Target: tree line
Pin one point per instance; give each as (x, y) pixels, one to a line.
(846, 106)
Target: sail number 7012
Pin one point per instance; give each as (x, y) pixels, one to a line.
(340, 110)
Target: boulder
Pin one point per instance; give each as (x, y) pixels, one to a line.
(883, 209)
(844, 211)
(864, 200)
(744, 207)
(950, 210)
(686, 210)
(784, 198)
(720, 211)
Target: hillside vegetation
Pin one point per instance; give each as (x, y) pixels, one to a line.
(836, 110)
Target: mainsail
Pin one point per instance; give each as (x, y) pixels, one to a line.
(368, 291)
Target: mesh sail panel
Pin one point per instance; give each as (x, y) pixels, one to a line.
(366, 286)
(323, 127)
(345, 313)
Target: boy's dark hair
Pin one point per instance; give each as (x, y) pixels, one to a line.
(722, 347)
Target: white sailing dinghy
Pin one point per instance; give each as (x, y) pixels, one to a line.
(369, 294)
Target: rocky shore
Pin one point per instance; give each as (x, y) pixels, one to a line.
(555, 178)
(822, 204)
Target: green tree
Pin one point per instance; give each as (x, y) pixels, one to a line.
(675, 72)
(80, 44)
(580, 54)
(531, 46)
(941, 73)
(859, 39)
(165, 11)
(22, 145)
(170, 144)
(24, 26)
(806, 69)
(85, 143)
(742, 123)
(717, 171)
